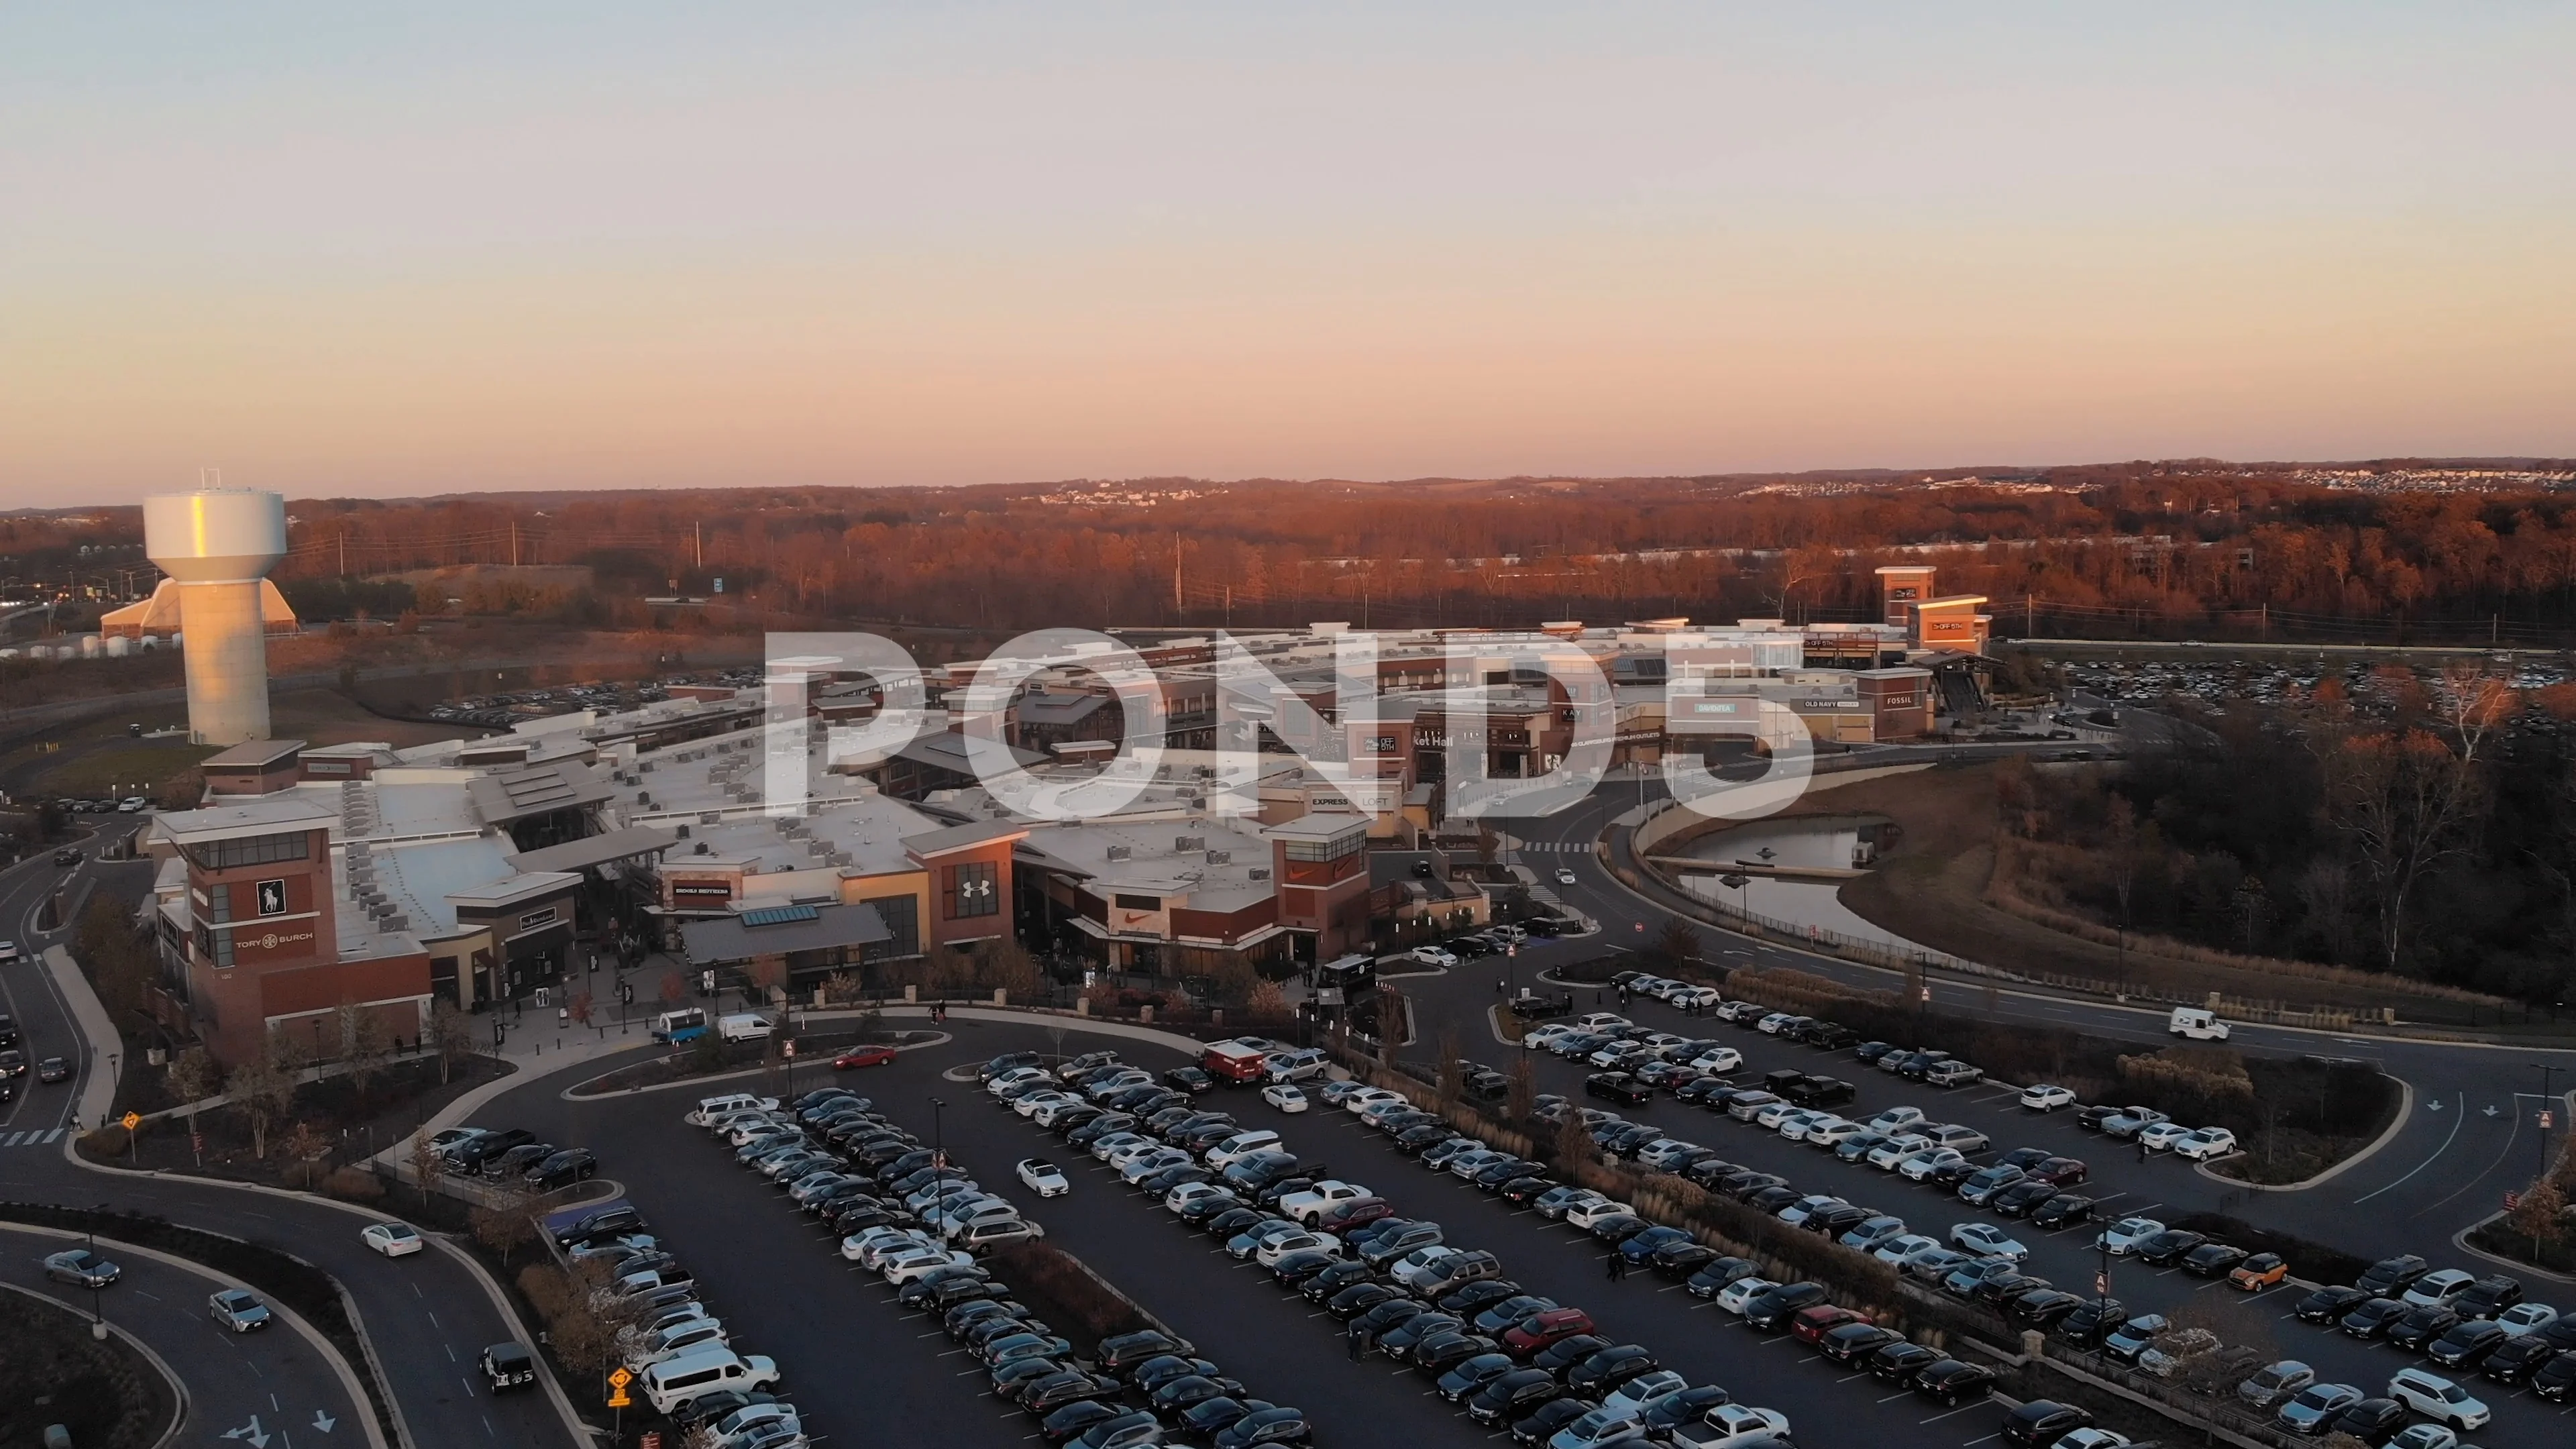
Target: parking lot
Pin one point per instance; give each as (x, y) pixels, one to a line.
(771, 1271)
(2121, 1185)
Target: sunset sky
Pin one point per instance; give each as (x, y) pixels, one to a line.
(636, 244)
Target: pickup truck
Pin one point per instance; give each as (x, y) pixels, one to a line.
(1819, 1092)
(1311, 1205)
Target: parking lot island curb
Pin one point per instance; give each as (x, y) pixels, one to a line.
(2388, 1134)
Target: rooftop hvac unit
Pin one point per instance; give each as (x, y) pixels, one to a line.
(838, 857)
(644, 798)
(1220, 857)
(1260, 872)
(709, 817)
(1120, 852)
(645, 768)
(702, 849)
(1189, 842)
(398, 922)
(684, 832)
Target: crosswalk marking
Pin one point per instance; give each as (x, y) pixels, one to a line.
(33, 1137)
(14, 1139)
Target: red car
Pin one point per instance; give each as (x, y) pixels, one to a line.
(1357, 1213)
(866, 1056)
(2060, 1171)
(1810, 1325)
(1539, 1331)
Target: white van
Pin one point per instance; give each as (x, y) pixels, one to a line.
(2196, 1024)
(712, 1108)
(985, 1237)
(676, 1381)
(1240, 1146)
(744, 1026)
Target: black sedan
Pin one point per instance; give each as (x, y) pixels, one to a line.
(1280, 1425)
(1074, 1420)
(1547, 1418)
(1513, 1396)
(2330, 1304)
(1769, 1311)
(2212, 1260)
(2062, 1210)
(2373, 1317)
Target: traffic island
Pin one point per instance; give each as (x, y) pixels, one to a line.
(103, 1390)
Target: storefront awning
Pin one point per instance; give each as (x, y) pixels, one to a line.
(781, 931)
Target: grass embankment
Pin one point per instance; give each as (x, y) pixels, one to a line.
(1931, 887)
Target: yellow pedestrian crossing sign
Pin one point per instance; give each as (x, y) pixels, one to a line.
(132, 1120)
(620, 1378)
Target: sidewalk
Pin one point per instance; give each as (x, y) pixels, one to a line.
(106, 1051)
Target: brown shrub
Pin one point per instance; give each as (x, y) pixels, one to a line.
(354, 1184)
(1062, 1289)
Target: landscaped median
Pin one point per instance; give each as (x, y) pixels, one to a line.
(101, 1388)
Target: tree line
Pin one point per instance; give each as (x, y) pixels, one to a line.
(2425, 829)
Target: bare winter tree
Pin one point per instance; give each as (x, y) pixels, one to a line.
(2407, 800)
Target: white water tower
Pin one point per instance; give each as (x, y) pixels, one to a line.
(219, 544)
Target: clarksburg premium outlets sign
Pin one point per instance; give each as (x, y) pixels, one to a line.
(1249, 699)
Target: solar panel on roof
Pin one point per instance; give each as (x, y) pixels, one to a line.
(779, 915)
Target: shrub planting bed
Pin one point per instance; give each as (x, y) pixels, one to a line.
(53, 1372)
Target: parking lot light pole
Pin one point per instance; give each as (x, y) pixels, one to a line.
(938, 1139)
(97, 1314)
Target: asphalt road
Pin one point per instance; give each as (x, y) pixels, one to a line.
(271, 1381)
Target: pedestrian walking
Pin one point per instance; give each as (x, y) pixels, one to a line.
(1618, 1265)
(1359, 1343)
